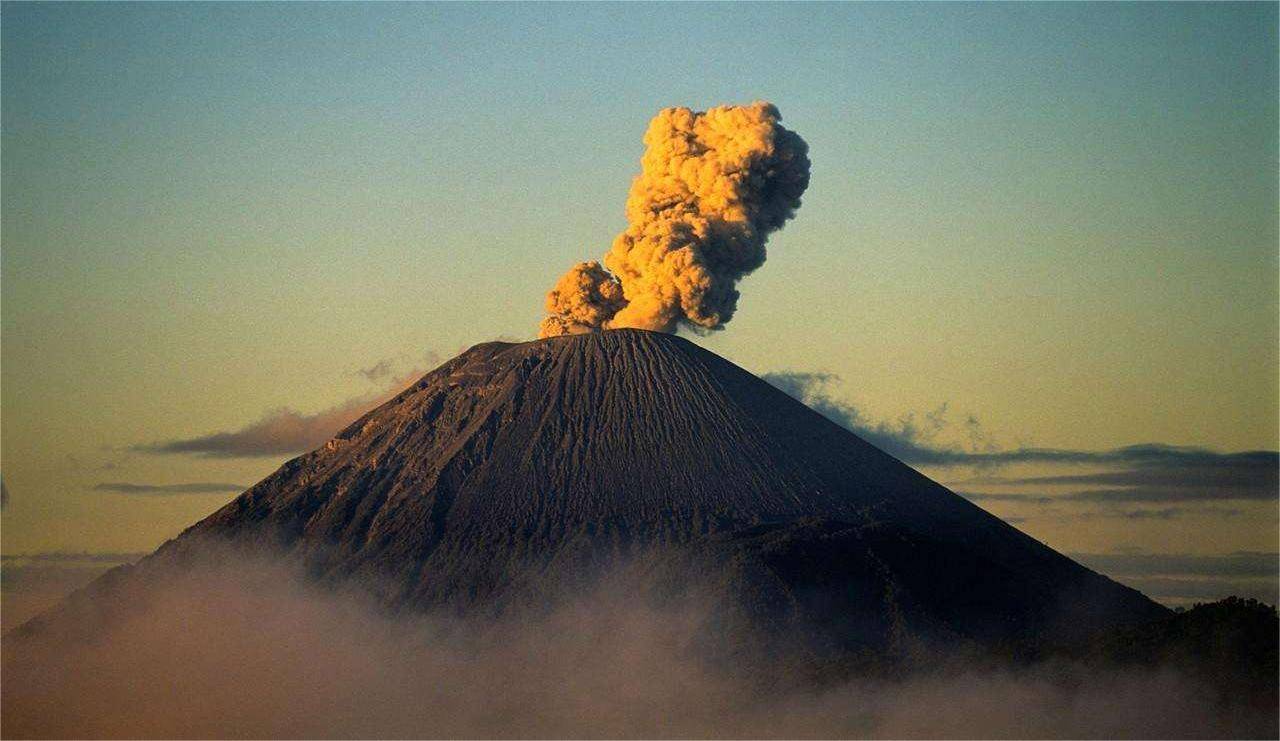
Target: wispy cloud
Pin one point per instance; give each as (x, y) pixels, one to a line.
(377, 371)
(1171, 513)
(400, 366)
(1104, 497)
(1150, 473)
(279, 432)
(286, 431)
(1170, 494)
(1152, 456)
(1229, 477)
(1201, 477)
(1047, 509)
(909, 439)
(198, 487)
(1157, 513)
(978, 496)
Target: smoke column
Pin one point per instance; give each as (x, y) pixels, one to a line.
(712, 187)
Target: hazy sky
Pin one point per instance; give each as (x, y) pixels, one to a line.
(1059, 220)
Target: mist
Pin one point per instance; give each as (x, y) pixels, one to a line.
(245, 646)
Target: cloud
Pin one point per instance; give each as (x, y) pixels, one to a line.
(113, 557)
(909, 438)
(1181, 467)
(392, 370)
(1160, 513)
(35, 582)
(1153, 455)
(249, 648)
(713, 186)
(1240, 563)
(1199, 477)
(1170, 494)
(283, 431)
(1185, 591)
(1163, 513)
(1230, 477)
(910, 441)
(286, 431)
(279, 432)
(1049, 510)
(977, 496)
(199, 487)
(1147, 473)
(1180, 577)
(376, 372)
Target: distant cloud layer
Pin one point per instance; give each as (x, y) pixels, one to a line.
(1240, 563)
(1178, 577)
(34, 582)
(67, 557)
(201, 487)
(1149, 474)
(1179, 474)
(1047, 508)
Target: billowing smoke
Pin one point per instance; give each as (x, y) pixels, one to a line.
(712, 187)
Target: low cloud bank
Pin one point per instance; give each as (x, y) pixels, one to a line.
(34, 582)
(1047, 507)
(1175, 578)
(1179, 475)
(247, 649)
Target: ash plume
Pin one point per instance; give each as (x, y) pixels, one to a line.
(713, 186)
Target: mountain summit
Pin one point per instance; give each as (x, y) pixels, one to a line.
(514, 465)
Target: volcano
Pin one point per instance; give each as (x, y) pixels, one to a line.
(515, 468)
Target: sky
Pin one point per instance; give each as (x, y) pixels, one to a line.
(1037, 257)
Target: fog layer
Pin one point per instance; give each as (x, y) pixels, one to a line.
(247, 648)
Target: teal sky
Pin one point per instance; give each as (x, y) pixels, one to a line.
(1058, 218)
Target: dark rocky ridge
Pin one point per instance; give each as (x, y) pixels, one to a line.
(515, 466)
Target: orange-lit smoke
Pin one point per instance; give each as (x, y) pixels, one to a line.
(713, 185)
